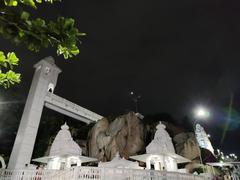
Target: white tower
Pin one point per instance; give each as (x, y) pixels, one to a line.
(40, 94)
(44, 80)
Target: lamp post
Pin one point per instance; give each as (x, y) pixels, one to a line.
(135, 99)
(199, 113)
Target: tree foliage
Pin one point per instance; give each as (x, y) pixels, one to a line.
(17, 25)
(7, 75)
(31, 3)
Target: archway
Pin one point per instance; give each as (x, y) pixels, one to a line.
(40, 95)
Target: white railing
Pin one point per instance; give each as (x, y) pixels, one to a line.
(95, 173)
(29, 174)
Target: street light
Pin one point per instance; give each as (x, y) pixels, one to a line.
(201, 113)
(135, 99)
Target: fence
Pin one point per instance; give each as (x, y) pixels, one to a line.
(95, 173)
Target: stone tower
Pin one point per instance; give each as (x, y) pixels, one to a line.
(44, 81)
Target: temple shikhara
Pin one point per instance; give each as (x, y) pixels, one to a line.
(64, 152)
(66, 161)
(161, 153)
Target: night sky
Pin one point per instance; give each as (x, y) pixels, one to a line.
(175, 54)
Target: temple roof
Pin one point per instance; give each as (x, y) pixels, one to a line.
(176, 157)
(162, 142)
(118, 162)
(160, 146)
(63, 144)
(46, 159)
(64, 147)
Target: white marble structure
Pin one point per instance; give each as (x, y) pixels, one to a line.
(3, 165)
(64, 152)
(202, 138)
(160, 152)
(40, 94)
(118, 162)
(96, 173)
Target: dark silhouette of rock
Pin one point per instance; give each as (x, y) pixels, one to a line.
(123, 135)
(186, 145)
(97, 140)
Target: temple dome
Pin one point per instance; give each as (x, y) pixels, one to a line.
(118, 162)
(162, 142)
(63, 144)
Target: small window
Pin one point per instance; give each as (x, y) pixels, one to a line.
(47, 70)
(73, 164)
(51, 88)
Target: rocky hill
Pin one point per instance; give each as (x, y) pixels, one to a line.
(129, 135)
(124, 135)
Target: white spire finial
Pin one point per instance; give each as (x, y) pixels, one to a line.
(160, 125)
(65, 126)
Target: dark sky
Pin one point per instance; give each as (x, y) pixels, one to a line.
(175, 54)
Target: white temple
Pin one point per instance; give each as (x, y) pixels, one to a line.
(118, 162)
(3, 165)
(202, 138)
(65, 157)
(160, 152)
(64, 152)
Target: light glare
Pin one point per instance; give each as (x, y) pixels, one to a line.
(201, 113)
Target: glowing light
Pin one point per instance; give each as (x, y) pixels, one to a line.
(201, 113)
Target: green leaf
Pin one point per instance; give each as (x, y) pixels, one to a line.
(68, 23)
(39, 23)
(30, 3)
(11, 2)
(81, 34)
(74, 50)
(12, 59)
(25, 15)
(13, 77)
(9, 78)
(2, 57)
(3, 61)
(21, 33)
